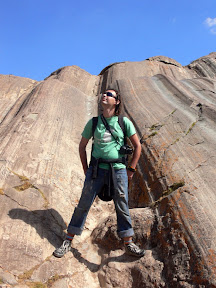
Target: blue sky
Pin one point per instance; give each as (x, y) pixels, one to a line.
(40, 36)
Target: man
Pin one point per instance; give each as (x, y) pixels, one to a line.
(106, 148)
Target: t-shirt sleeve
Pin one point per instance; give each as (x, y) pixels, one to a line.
(87, 132)
(129, 127)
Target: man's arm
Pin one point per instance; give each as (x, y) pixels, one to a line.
(82, 153)
(136, 155)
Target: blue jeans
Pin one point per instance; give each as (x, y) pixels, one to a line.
(90, 190)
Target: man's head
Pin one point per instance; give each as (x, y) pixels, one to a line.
(111, 96)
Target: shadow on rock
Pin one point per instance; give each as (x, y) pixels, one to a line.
(48, 223)
(124, 258)
(91, 266)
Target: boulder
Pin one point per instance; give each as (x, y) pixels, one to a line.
(172, 196)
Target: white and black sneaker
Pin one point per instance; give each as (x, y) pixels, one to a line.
(61, 251)
(133, 249)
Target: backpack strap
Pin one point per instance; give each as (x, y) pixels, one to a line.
(122, 125)
(94, 125)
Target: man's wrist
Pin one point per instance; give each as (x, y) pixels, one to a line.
(130, 168)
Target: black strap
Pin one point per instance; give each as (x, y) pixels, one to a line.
(111, 181)
(95, 163)
(108, 127)
(120, 121)
(94, 125)
(122, 125)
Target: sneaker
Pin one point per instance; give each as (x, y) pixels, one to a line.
(61, 251)
(133, 249)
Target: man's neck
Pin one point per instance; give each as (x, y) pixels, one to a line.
(107, 113)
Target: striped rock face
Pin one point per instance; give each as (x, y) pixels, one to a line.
(172, 196)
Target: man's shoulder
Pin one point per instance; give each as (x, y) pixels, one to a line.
(126, 120)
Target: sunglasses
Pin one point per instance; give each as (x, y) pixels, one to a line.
(109, 94)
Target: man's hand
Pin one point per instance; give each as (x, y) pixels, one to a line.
(137, 150)
(130, 175)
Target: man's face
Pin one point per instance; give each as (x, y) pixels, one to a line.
(109, 98)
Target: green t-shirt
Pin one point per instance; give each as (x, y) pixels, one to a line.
(105, 146)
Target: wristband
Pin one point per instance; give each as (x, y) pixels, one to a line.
(131, 169)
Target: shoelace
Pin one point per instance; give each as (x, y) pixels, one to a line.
(65, 245)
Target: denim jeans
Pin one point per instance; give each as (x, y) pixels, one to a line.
(91, 189)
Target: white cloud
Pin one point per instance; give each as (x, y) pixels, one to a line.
(210, 22)
(213, 31)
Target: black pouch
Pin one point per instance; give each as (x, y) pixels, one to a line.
(105, 194)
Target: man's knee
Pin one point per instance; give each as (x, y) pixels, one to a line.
(81, 210)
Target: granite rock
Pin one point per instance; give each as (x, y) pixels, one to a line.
(172, 197)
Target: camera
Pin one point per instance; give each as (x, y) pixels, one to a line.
(126, 149)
